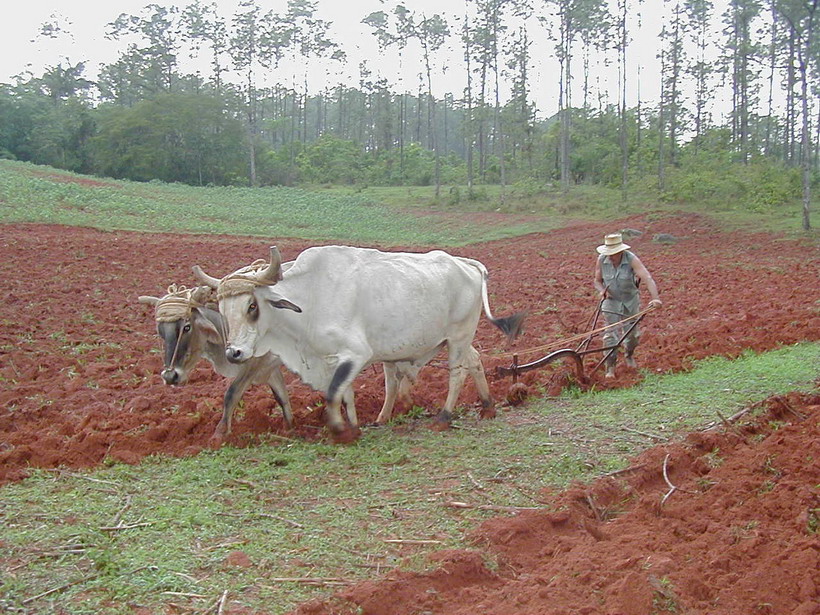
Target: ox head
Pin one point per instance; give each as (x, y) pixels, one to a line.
(183, 328)
(247, 302)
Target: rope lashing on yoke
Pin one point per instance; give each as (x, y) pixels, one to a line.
(178, 302)
(242, 281)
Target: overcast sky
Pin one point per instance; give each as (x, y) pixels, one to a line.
(22, 50)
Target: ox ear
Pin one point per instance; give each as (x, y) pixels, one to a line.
(284, 304)
(148, 300)
(207, 327)
(277, 300)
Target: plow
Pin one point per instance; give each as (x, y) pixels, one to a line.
(576, 355)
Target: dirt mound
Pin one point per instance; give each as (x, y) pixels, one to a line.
(80, 361)
(720, 524)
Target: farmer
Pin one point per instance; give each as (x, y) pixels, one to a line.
(618, 274)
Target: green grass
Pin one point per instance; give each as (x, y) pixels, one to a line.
(386, 216)
(30, 193)
(302, 510)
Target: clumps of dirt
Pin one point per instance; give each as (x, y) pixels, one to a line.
(80, 360)
(724, 522)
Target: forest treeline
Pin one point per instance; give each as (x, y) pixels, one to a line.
(245, 122)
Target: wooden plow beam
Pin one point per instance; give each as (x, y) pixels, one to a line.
(576, 356)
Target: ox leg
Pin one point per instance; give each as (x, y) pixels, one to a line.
(337, 392)
(458, 373)
(350, 407)
(233, 396)
(391, 387)
(405, 384)
(408, 374)
(276, 382)
(477, 371)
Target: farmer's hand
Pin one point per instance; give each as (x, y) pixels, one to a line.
(655, 303)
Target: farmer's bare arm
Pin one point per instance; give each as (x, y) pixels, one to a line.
(646, 279)
(599, 279)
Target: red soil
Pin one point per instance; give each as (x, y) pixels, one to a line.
(737, 535)
(80, 373)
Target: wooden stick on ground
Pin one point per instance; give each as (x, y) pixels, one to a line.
(791, 408)
(77, 582)
(490, 507)
(672, 487)
(313, 580)
(222, 601)
(730, 426)
(624, 470)
(127, 526)
(61, 588)
(648, 435)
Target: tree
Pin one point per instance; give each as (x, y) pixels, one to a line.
(672, 59)
(700, 69)
(304, 37)
(202, 25)
(188, 138)
(430, 32)
(801, 17)
(257, 41)
(63, 82)
(574, 16)
(157, 43)
(743, 58)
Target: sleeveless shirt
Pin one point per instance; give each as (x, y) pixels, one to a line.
(623, 294)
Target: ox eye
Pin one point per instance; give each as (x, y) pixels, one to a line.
(186, 328)
(252, 307)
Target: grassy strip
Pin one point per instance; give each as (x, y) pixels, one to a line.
(385, 216)
(184, 531)
(30, 193)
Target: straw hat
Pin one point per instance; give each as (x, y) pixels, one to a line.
(613, 244)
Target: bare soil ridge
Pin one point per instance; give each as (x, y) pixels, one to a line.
(737, 534)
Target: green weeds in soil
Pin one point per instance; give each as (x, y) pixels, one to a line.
(261, 522)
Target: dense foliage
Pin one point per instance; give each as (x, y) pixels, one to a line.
(144, 118)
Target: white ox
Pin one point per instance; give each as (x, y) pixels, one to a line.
(338, 309)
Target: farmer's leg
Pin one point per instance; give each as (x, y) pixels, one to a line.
(633, 339)
(612, 315)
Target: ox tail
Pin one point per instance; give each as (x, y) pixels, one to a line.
(510, 325)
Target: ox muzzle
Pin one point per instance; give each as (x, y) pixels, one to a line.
(171, 375)
(236, 355)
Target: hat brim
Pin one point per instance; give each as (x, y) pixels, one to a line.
(610, 250)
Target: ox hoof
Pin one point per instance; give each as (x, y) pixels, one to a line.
(487, 413)
(438, 425)
(219, 437)
(345, 435)
(442, 422)
(216, 442)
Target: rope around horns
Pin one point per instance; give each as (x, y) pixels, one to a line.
(242, 281)
(176, 304)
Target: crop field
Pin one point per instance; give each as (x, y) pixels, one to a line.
(687, 485)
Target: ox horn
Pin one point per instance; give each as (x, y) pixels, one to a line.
(204, 278)
(148, 300)
(201, 294)
(273, 273)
